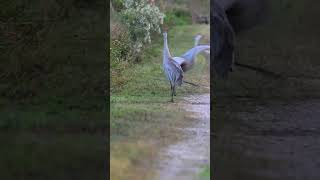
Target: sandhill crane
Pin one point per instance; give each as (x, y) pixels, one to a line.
(174, 67)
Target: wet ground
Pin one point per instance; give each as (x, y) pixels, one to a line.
(267, 141)
(185, 159)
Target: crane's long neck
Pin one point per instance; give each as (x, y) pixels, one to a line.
(166, 52)
(196, 40)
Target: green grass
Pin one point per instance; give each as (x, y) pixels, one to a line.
(140, 107)
(146, 86)
(205, 173)
(178, 17)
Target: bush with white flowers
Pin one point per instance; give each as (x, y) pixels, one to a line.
(142, 19)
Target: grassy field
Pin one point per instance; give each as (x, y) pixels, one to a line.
(142, 118)
(205, 174)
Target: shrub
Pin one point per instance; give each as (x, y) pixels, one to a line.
(117, 5)
(177, 17)
(120, 55)
(120, 44)
(141, 19)
(130, 32)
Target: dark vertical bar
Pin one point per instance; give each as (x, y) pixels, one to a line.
(54, 89)
(265, 114)
(212, 115)
(108, 94)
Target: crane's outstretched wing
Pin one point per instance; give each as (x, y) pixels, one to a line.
(179, 60)
(205, 53)
(193, 52)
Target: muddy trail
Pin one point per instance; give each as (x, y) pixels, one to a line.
(185, 159)
(267, 141)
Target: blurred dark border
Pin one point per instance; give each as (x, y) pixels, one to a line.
(256, 111)
(54, 89)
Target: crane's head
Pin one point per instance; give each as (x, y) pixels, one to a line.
(165, 34)
(164, 28)
(197, 39)
(197, 36)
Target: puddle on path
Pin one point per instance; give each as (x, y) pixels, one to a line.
(184, 160)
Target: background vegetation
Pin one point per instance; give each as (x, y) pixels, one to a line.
(127, 51)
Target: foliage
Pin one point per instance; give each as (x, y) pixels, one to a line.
(205, 173)
(131, 31)
(121, 54)
(117, 5)
(120, 44)
(178, 16)
(141, 19)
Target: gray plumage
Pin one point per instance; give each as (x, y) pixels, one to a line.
(197, 39)
(205, 53)
(174, 67)
(190, 56)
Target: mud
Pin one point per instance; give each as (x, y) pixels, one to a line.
(185, 159)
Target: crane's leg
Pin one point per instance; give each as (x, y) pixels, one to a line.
(172, 94)
(174, 91)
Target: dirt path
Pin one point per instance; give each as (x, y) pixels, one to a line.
(184, 160)
(272, 141)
